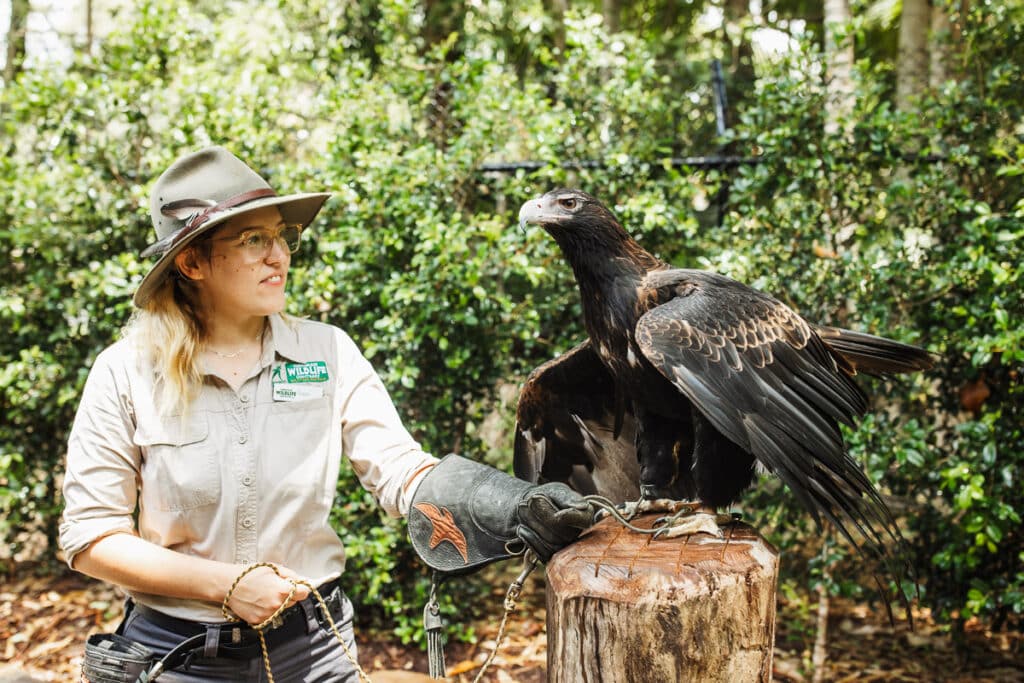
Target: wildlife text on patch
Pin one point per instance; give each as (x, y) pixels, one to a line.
(298, 381)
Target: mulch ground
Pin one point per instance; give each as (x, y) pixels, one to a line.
(44, 622)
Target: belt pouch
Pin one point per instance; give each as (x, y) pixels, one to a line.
(110, 658)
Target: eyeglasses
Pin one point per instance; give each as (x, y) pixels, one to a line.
(256, 243)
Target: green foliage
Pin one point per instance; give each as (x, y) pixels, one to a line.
(419, 258)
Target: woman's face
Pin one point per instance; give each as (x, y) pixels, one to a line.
(248, 265)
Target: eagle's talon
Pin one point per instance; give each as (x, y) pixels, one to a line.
(669, 520)
(629, 511)
(684, 518)
(690, 523)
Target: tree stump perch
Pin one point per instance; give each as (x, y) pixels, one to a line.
(624, 607)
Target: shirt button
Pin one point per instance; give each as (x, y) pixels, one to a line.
(244, 398)
(243, 438)
(247, 480)
(247, 522)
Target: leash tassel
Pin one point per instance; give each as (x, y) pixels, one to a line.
(433, 627)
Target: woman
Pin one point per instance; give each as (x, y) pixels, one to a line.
(220, 422)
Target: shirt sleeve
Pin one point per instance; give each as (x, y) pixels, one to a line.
(100, 481)
(385, 457)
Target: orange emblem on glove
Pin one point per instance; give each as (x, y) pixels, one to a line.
(445, 528)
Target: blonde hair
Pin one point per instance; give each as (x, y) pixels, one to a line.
(168, 332)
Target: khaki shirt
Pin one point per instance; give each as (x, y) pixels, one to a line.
(243, 477)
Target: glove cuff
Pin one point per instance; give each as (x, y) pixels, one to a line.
(463, 516)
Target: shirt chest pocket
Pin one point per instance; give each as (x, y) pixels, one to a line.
(180, 469)
(298, 437)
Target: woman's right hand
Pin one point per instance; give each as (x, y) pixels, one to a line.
(261, 592)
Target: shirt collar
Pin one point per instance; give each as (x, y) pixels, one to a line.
(283, 340)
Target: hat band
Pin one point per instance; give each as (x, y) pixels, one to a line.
(198, 219)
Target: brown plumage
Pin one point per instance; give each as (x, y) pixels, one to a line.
(689, 378)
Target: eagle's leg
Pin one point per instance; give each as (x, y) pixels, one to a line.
(669, 480)
(664, 451)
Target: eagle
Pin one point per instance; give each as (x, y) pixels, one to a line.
(689, 380)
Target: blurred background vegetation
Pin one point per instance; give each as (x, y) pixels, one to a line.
(876, 183)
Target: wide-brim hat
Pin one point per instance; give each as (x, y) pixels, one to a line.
(200, 191)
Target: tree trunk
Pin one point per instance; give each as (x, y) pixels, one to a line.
(88, 26)
(443, 19)
(912, 67)
(740, 81)
(16, 38)
(612, 10)
(558, 8)
(624, 607)
(938, 46)
(819, 655)
(839, 67)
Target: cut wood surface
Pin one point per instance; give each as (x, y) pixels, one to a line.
(623, 606)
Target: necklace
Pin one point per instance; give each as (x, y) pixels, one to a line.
(235, 354)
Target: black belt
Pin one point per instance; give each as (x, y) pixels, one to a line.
(237, 640)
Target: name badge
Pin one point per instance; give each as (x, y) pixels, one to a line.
(299, 381)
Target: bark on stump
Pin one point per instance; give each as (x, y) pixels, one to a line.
(624, 607)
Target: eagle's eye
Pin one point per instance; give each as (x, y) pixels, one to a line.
(568, 203)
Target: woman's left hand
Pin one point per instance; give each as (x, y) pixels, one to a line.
(262, 592)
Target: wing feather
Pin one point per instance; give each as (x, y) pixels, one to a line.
(875, 355)
(566, 425)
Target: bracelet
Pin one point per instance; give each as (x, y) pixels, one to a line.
(231, 616)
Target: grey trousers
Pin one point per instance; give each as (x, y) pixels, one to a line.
(314, 657)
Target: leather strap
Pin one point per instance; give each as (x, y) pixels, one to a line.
(229, 203)
(212, 641)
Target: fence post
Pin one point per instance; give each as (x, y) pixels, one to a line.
(624, 607)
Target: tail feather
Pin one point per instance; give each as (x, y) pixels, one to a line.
(875, 355)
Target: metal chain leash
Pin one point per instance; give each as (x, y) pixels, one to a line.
(530, 562)
(613, 510)
(663, 525)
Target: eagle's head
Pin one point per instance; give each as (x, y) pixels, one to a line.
(565, 210)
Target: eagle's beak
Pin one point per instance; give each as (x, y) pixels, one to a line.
(530, 212)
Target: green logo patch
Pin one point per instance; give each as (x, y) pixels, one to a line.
(301, 373)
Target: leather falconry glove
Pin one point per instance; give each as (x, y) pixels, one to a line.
(465, 515)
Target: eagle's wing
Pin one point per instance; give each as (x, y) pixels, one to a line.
(758, 372)
(566, 428)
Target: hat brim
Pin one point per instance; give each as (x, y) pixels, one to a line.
(295, 208)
